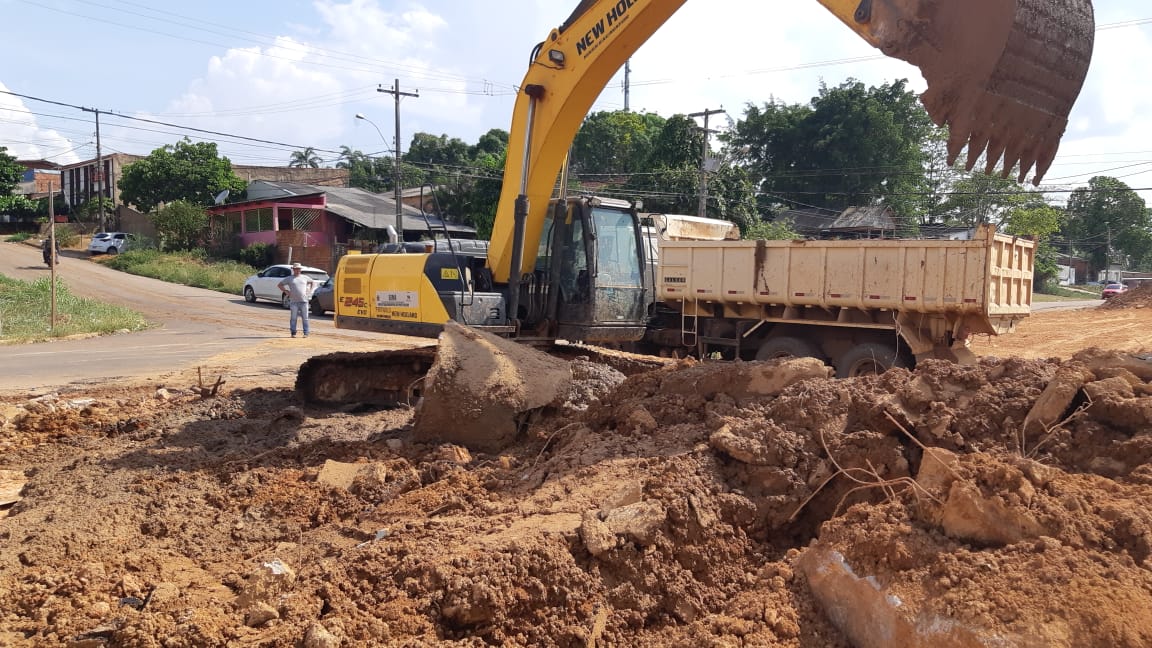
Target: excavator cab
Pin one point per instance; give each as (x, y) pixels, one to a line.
(595, 270)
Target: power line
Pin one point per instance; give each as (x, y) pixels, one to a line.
(160, 123)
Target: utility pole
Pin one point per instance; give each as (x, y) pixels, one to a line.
(627, 82)
(52, 260)
(395, 92)
(703, 209)
(99, 175)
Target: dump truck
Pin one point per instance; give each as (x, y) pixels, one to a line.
(861, 305)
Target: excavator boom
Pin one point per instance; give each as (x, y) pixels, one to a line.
(1002, 76)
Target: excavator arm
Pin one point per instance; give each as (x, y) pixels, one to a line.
(1002, 76)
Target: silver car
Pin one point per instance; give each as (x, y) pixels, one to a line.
(323, 299)
(263, 284)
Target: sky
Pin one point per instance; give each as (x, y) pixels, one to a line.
(296, 72)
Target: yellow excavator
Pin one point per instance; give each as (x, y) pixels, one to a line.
(1002, 76)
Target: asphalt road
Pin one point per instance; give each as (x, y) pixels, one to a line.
(1066, 305)
(194, 328)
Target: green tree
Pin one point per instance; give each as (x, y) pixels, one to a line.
(494, 142)
(764, 230)
(614, 142)
(1138, 245)
(427, 149)
(180, 225)
(348, 157)
(1107, 217)
(306, 158)
(10, 175)
(976, 197)
(852, 145)
(185, 171)
(364, 171)
(11, 172)
(90, 210)
(1041, 221)
(669, 180)
(678, 145)
(19, 206)
(60, 206)
(471, 198)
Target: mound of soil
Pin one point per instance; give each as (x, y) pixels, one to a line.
(700, 504)
(1138, 297)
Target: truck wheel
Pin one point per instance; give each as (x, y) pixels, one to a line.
(787, 347)
(867, 360)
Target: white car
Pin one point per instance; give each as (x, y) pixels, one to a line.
(110, 242)
(263, 284)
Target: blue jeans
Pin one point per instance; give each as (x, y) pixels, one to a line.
(297, 309)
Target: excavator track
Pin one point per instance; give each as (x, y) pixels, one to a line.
(396, 378)
(382, 378)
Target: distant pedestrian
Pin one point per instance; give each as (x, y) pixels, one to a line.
(299, 289)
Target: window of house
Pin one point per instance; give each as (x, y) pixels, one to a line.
(258, 220)
(307, 220)
(230, 222)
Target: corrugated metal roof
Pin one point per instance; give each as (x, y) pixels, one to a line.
(809, 221)
(373, 211)
(868, 218)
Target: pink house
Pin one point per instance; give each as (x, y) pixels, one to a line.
(316, 225)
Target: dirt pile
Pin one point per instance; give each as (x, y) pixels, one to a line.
(713, 504)
(1138, 297)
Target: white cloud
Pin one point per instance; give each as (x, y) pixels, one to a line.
(26, 139)
(1107, 133)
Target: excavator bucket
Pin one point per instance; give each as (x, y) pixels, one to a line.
(1002, 74)
(480, 387)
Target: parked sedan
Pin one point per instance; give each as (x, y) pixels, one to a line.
(1113, 289)
(263, 284)
(110, 243)
(323, 299)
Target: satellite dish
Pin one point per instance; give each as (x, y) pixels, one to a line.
(220, 197)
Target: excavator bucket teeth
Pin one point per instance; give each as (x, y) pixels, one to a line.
(1002, 74)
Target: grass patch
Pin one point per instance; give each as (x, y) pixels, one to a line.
(185, 268)
(26, 312)
(1059, 293)
(19, 237)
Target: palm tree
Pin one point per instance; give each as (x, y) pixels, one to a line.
(348, 157)
(305, 158)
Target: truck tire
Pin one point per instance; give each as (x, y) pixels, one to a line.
(868, 359)
(787, 347)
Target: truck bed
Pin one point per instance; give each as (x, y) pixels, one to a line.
(987, 281)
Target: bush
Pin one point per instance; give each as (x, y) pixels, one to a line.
(19, 237)
(66, 234)
(180, 225)
(257, 255)
(187, 268)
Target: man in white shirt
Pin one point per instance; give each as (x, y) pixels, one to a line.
(299, 289)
